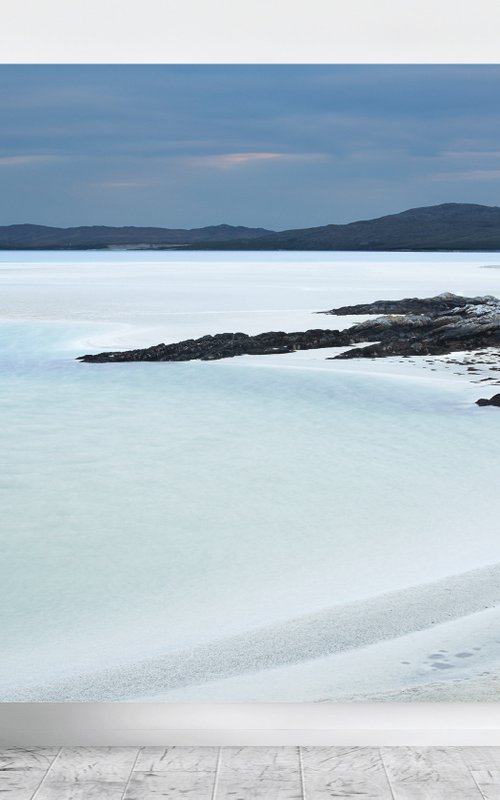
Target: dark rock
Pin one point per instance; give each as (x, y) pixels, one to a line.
(227, 345)
(493, 401)
(410, 305)
(443, 324)
(431, 326)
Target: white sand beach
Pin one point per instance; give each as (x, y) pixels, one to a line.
(454, 622)
(271, 528)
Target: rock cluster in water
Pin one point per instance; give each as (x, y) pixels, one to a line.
(493, 401)
(430, 326)
(409, 327)
(226, 345)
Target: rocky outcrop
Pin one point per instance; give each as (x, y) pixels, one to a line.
(410, 305)
(413, 326)
(227, 345)
(493, 401)
(440, 325)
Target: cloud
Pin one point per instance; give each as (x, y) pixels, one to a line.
(27, 160)
(472, 154)
(231, 160)
(275, 145)
(467, 175)
(121, 184)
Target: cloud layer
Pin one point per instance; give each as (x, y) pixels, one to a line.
(277, 146)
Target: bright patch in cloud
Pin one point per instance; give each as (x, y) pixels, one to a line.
(230, 160)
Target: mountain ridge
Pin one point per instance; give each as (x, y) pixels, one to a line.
(27, 236)
(447, 226)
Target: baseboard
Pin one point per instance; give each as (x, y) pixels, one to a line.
(136, 724)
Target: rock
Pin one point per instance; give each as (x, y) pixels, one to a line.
(411, 327)
(410, 305)
(493, 401)
(437, 328)
(227, 345)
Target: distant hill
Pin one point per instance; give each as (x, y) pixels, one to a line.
(451, 226)
(41, 237)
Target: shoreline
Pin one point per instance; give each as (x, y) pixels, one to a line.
(391, 368)
(464, 651)
(446, 331)
(333, 631)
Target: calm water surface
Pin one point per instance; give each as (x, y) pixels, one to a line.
(150, 506)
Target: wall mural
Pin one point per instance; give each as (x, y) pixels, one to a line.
(250, 383)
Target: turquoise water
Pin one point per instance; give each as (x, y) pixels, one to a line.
(147, 507)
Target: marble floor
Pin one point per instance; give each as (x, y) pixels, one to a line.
(250, 773)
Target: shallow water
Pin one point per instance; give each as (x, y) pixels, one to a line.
(146, 507)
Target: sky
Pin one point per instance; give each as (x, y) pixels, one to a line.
(273, 146)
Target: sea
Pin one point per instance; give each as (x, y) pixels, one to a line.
(150, 508)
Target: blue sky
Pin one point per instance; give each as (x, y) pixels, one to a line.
(275, 146)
